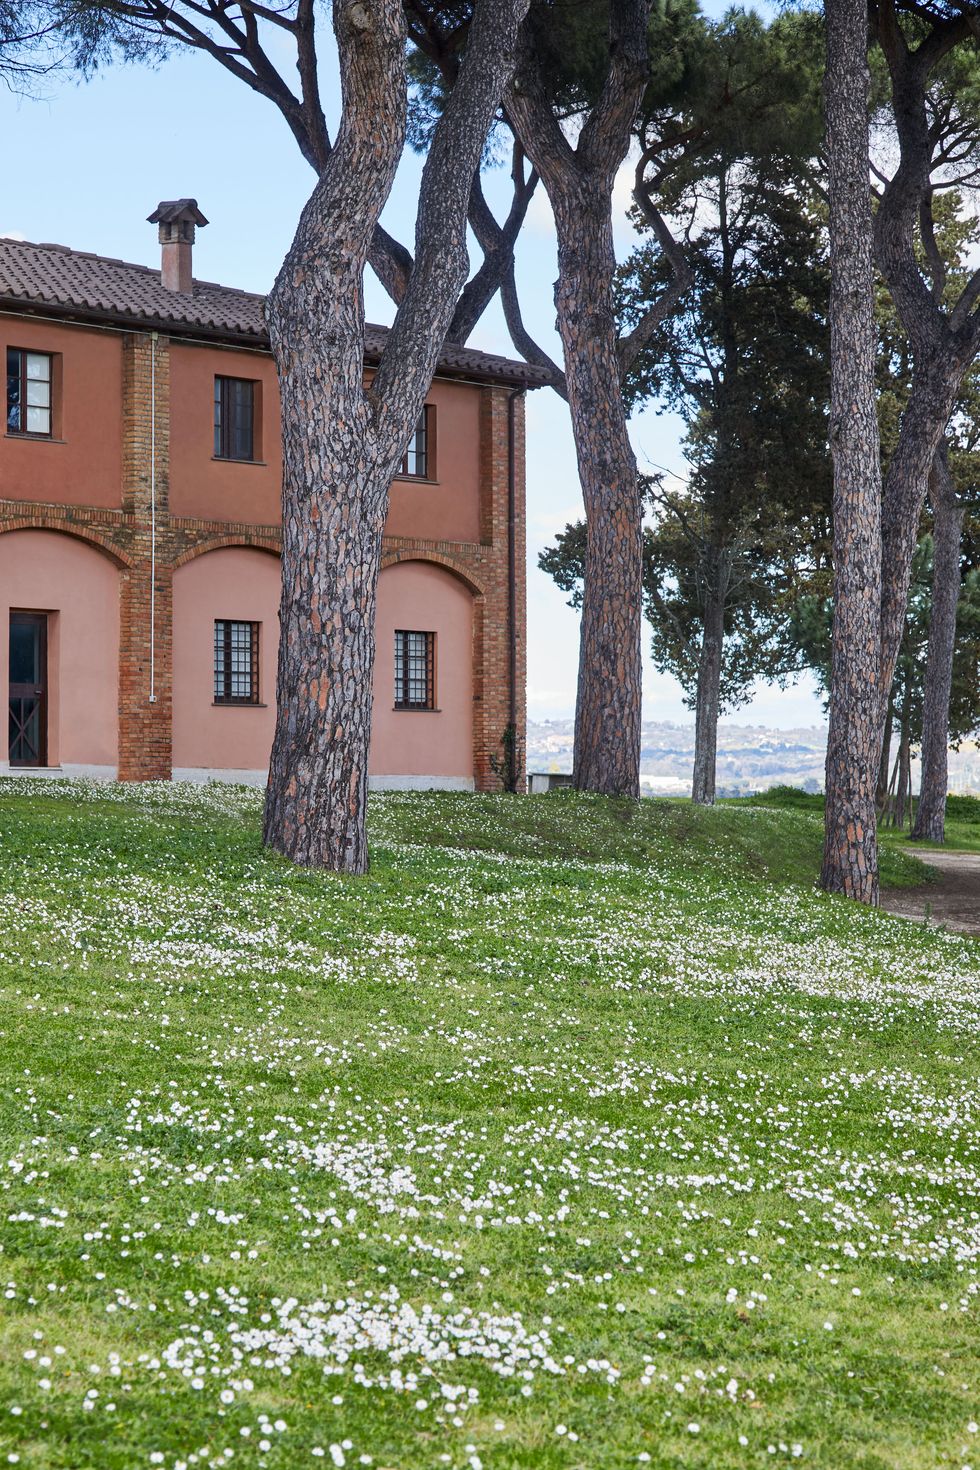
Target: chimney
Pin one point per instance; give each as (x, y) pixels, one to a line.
(177, 219)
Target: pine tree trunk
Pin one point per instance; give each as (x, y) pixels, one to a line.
(850, 862)
(904, 767)
(888, 810)
(943, 335)
(334, 511)
(335, 472)
(708, 699)
(579, 181)
(909, 471)
(336, 476)
(608, 705)
(341, 441)
(881, 795)
(930, 821)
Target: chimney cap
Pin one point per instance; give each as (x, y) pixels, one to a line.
(173, 211)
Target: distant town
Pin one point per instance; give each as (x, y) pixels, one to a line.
(750, 757)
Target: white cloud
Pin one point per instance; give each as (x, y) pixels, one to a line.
(539, 218)
(544, 524)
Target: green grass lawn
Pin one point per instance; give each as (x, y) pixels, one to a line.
(575, 1136)
(963, 826)
(963, 822)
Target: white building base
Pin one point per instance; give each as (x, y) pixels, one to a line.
(89, 773)
(199, 775)
(421, 783)
(375, 783)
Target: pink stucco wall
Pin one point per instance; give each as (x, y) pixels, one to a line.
(81, 463)
(78, 587)
(422, 597)
(240, 584)
(200, 485)
(446, 507)
(244, 584)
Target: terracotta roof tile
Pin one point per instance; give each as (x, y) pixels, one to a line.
(75, 284)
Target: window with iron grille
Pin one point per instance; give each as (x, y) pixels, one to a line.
(414, 670)
(28, 392)
(234, 418)
(236, 662)
(418, 456)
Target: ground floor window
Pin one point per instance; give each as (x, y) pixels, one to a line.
(414, 669)
(236, 662)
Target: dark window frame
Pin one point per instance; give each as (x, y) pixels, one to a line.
(418, 461)
(224, 676)
(227, 428)
(414, 691)
(20, 406)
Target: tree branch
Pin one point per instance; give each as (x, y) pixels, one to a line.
(634, 342)
(521, 338)
(497, 243)
(532, 116)
(605, 137)
(441, 260)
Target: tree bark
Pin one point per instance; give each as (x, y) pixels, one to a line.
(943, 339)
(931, 402)
(850, 861)
(947, 514)
(608, 704)
(888, 809)
(903, 793)
(342, 442)
(884, 764)
(579, 182)
(708, 699)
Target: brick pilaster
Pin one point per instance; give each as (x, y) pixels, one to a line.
(492, 621)
(146, 603)
(520, 562)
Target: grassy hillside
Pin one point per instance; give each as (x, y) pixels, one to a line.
(561, 1140)
(962, 822)
(778, 839)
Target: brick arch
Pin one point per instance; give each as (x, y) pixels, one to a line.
(436, 558)
(68, 528)
(221, 543)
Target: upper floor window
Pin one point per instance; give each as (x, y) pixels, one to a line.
(234, 418)
(414, 669)
(418, 458)
(28, 392)
(236, 662)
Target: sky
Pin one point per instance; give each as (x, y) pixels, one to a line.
(86, 162)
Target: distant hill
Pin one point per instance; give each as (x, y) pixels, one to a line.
(750, 757)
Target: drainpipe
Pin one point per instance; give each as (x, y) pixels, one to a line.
(512, 752)
(153, 517)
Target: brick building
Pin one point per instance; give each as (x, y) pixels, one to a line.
(140, 479)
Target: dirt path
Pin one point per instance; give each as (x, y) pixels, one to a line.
(953, 902)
